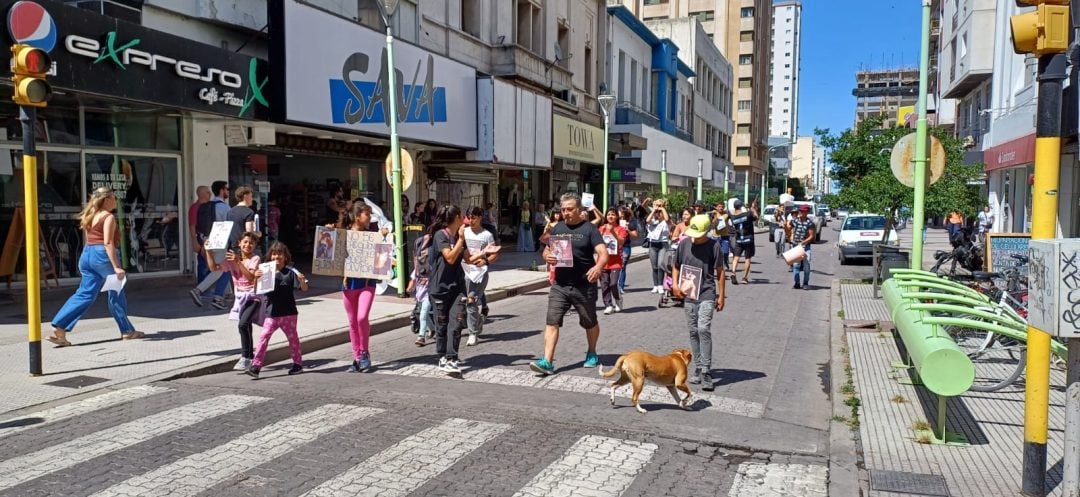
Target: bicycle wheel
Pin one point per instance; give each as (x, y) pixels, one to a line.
(998, 360)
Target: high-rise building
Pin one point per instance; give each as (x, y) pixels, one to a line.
(883, 92)
(740, 29)
(784, 81)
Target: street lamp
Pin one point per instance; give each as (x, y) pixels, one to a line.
(387, 8)
(606, 103)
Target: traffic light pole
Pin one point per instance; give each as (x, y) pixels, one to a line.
(27, 116)
(1044, 207)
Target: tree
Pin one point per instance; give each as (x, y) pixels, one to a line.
(860, 158)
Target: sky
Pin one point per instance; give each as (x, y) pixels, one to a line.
(838, 38)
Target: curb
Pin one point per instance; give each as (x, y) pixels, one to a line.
(846, 474)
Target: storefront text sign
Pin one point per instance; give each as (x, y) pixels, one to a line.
(576, 140)
(1012, 153)
(336, 75)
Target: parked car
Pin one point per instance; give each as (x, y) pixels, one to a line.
(823, 213)
(860, 233)
(842, 213)
(819, 221)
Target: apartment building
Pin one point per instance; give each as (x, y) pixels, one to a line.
(784, 76)
(741, 31)
(966, 66)
(803, 161)
(882, 92)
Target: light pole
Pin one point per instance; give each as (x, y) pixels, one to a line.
(700, 196)
(606, 103)
(663, 172)
(387, 8)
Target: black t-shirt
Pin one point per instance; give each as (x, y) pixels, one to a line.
(704, 256)
(584, 238)
(446, 279)
(742, 225)
(240, 216)
(281, 301)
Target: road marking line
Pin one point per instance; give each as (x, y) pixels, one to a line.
(198, 472)
(765, 480)
(65, 455)
(409, 464)
(574, 383)
(60, 413)
(594, 465)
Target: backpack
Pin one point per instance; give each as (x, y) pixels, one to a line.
(204, 220)
(423, 257)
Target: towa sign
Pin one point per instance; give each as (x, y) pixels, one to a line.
(108, 57)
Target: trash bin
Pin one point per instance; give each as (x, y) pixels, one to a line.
(886, 258)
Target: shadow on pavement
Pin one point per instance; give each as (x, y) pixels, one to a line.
(173, 335)
(507, 336)
(219, 353)
(729, 376)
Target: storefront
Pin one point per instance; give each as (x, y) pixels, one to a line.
(577, 146)
(1009, 170)
(121, 95)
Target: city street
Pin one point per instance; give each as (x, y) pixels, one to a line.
(406, 429)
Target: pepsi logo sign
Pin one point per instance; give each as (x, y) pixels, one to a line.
(29, 23)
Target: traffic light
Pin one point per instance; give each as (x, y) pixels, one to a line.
(1044, 30)
(29, 66)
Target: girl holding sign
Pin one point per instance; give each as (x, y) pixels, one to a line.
(246, 307)
(280, 309)
(615, 236)
(358, 294)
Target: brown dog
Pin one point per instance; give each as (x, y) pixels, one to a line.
(637, 366)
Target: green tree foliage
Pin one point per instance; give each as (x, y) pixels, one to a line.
(861, 156)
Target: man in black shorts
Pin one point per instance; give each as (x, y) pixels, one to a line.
(742, 227)
(575, 285)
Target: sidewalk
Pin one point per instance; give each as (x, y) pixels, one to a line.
(888, 412)
(184, 340)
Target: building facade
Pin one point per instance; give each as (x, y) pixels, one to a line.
(883, 92)
(784, 78)
(803, 163)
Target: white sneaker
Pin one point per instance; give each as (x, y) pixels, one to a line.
(242, 364)
(659, 289)
(608, 310)
(618, 305)
(472, 339)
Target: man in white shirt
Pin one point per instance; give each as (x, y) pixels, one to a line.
(986, 222)
(481, 250)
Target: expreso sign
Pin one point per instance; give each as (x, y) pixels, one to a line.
(91, 48)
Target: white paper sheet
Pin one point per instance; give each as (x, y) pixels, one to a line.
(112, 283)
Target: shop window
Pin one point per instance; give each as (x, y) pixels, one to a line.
(133, 130)
(59, 199)
(56, 124)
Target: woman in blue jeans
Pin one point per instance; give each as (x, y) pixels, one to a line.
(628, 221)
(99, 259)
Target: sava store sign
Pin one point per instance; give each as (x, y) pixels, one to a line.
(105, 56)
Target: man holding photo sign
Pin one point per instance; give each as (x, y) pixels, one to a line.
(697, 259)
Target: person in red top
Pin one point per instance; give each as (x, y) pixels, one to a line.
(614, 236)
(203, 196)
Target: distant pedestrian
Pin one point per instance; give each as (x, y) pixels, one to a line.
(281, 310)
(630, 222)
(658, 229)
(684, 221)
(986, 222)
(242, 266)
(358, 294)
(802, 233)
(100, 259)
(447, 288)
(699, 257)
(722, 229)
(955, 225)
(614, 236)
(742, 225)
(574, 286)
(525, 229)
(216, 210)
(482, 251)
(779, 224)
(419, 281)
(202, 196)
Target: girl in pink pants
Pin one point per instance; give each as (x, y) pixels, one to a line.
(280, 309)
(358, 294)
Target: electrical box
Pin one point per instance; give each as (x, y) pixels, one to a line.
(1054, 286)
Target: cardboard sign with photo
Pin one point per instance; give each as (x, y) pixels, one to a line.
(330, 251)
(367, 256)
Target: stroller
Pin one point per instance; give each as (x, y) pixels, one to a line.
(668, 299)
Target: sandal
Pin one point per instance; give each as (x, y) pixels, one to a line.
(133, 335)
(420, 341)
(59, 342)
(746, 281)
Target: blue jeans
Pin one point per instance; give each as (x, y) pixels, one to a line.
(622, 274)
(201, 267)
(94, 265)
(804, 267)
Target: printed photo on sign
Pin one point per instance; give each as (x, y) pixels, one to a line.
(587, 200)
(265, 283)
(612, 244)
(361, 250)
(690, 281)
(219, 236)
(383, 256)
(564, 255)
(324, 243)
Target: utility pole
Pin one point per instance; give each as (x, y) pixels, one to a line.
(921, 156)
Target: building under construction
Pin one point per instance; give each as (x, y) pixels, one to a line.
(883, 92)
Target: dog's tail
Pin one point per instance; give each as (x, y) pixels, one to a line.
(611, 372)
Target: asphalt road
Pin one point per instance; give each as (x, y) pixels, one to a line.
(406, 429)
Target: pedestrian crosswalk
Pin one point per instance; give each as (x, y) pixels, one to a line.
(414, 455)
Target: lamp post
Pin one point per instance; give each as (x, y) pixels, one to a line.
(606, 103)
(387, 8)
(700, 196)
(663, 172)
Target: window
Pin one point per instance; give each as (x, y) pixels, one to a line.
(786, 111)
(746, 59)
(787, 65)
(530, 26)
(787, 54)
(589, 88)
(746, 12)
(471, 18)
(742, 151)
(745, 82)
(622, 76)
(746, 36)
(703, 15)
(563, 37)
(742, 129)
(633, 82)
(744, 105)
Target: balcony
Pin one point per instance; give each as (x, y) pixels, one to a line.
(628, 113)
(513, 61)
(684, 135)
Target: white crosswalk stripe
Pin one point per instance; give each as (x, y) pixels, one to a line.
(66, 411)
(65, 455)
(395, 472)
(770, 480)
(595, 466)
(198, 472)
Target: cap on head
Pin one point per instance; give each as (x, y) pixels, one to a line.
(699, 226)
(804, 208)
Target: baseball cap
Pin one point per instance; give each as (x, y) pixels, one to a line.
(698, 226)
(804, 208)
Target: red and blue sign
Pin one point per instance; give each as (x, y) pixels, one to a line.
(30, 24)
